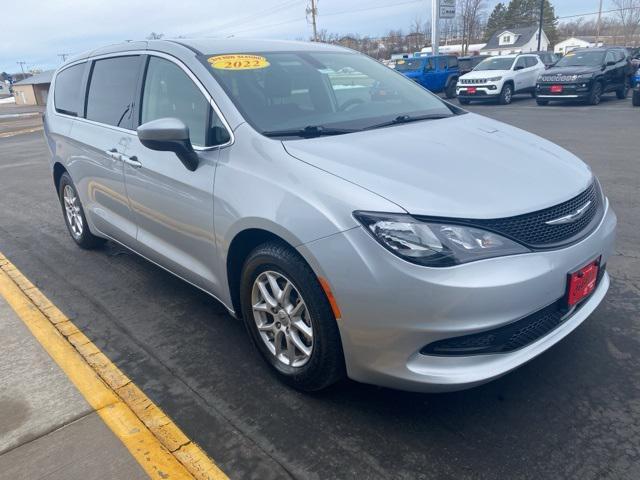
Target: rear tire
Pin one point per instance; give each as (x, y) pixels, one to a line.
(636, 98)
(74, 216)
(596, 94)
(450, 91)
(623, 92)
(506, 95)
(320, 361)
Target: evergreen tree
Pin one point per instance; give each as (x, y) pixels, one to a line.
(523, 13)
(497, 20)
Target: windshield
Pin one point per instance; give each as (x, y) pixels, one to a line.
(409, 65)
(278, 91)
(495, 63)
(581, 59)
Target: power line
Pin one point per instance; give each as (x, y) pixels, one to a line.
(343, 12)
(599, 12)
(266, 12)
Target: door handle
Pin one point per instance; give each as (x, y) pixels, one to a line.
(131, 161)
(113, 153)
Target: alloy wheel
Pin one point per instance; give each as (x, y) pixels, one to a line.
(72, 210)
(282, 319)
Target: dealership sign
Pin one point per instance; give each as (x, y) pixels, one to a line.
(447, 8)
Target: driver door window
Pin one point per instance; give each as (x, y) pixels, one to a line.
(169, 92)
(610, 58)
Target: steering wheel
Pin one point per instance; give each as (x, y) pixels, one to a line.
(350, 104)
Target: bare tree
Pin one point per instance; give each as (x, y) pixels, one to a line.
(629, 15)
(471, 13)
(155, 36)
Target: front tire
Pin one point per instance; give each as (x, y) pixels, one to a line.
(506, 95)
(290, 319)
(636, 98)
(596, 94)
(74, 216)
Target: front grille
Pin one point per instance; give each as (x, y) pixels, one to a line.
(532, 230)
(472, 81)
(559, 78)
(511, 337)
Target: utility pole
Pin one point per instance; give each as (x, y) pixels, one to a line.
(313, 11)
(541, 21)
(63, 56)
(22, 64)
(435, 27)
(599, 23)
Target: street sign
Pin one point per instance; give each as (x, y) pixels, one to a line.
(447, 9)
(447, 12)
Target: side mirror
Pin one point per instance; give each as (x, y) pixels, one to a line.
(518, 67)
(611, 63)
(169, 135)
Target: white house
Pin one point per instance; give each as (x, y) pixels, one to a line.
(515, 40)
(572, 43)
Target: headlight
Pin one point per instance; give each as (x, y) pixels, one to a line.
(584, 76)
(494, 79)
(435, 244)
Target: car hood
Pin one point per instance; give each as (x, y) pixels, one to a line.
(474, 75)
(465, 166)
(570, 71)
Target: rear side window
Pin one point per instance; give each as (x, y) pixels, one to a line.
(111, 90)
(169, 92)
(67, 96)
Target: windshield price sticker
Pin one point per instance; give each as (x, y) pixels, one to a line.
(238, 62)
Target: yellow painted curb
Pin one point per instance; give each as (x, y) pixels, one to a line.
(152, 438)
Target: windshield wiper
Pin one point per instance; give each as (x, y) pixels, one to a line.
(310, 131)
(408, 119)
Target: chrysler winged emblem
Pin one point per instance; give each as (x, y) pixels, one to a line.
(572, 217)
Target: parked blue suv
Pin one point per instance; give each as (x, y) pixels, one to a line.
(437, 73)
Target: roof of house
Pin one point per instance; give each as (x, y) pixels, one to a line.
(38, 78)
(523, 35)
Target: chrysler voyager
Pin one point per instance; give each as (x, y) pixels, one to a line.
(359, 225)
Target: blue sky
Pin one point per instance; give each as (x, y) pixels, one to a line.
(36, 32)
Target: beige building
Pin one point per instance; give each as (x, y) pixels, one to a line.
(33, 90)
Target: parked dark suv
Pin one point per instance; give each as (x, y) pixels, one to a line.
(586, 74)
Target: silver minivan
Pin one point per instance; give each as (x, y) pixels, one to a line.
(358, 224)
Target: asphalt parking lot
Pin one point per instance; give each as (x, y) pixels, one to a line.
(574, 412)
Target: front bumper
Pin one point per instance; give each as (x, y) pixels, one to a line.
(483, 92)
(579, 91)
(391, 308)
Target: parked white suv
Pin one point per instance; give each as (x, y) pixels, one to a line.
(500, 78)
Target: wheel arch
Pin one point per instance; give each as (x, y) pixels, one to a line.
(242, 244)
(58, 170)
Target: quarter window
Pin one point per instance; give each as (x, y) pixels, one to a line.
(111, 91)
(67, 90)
(169, 92)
